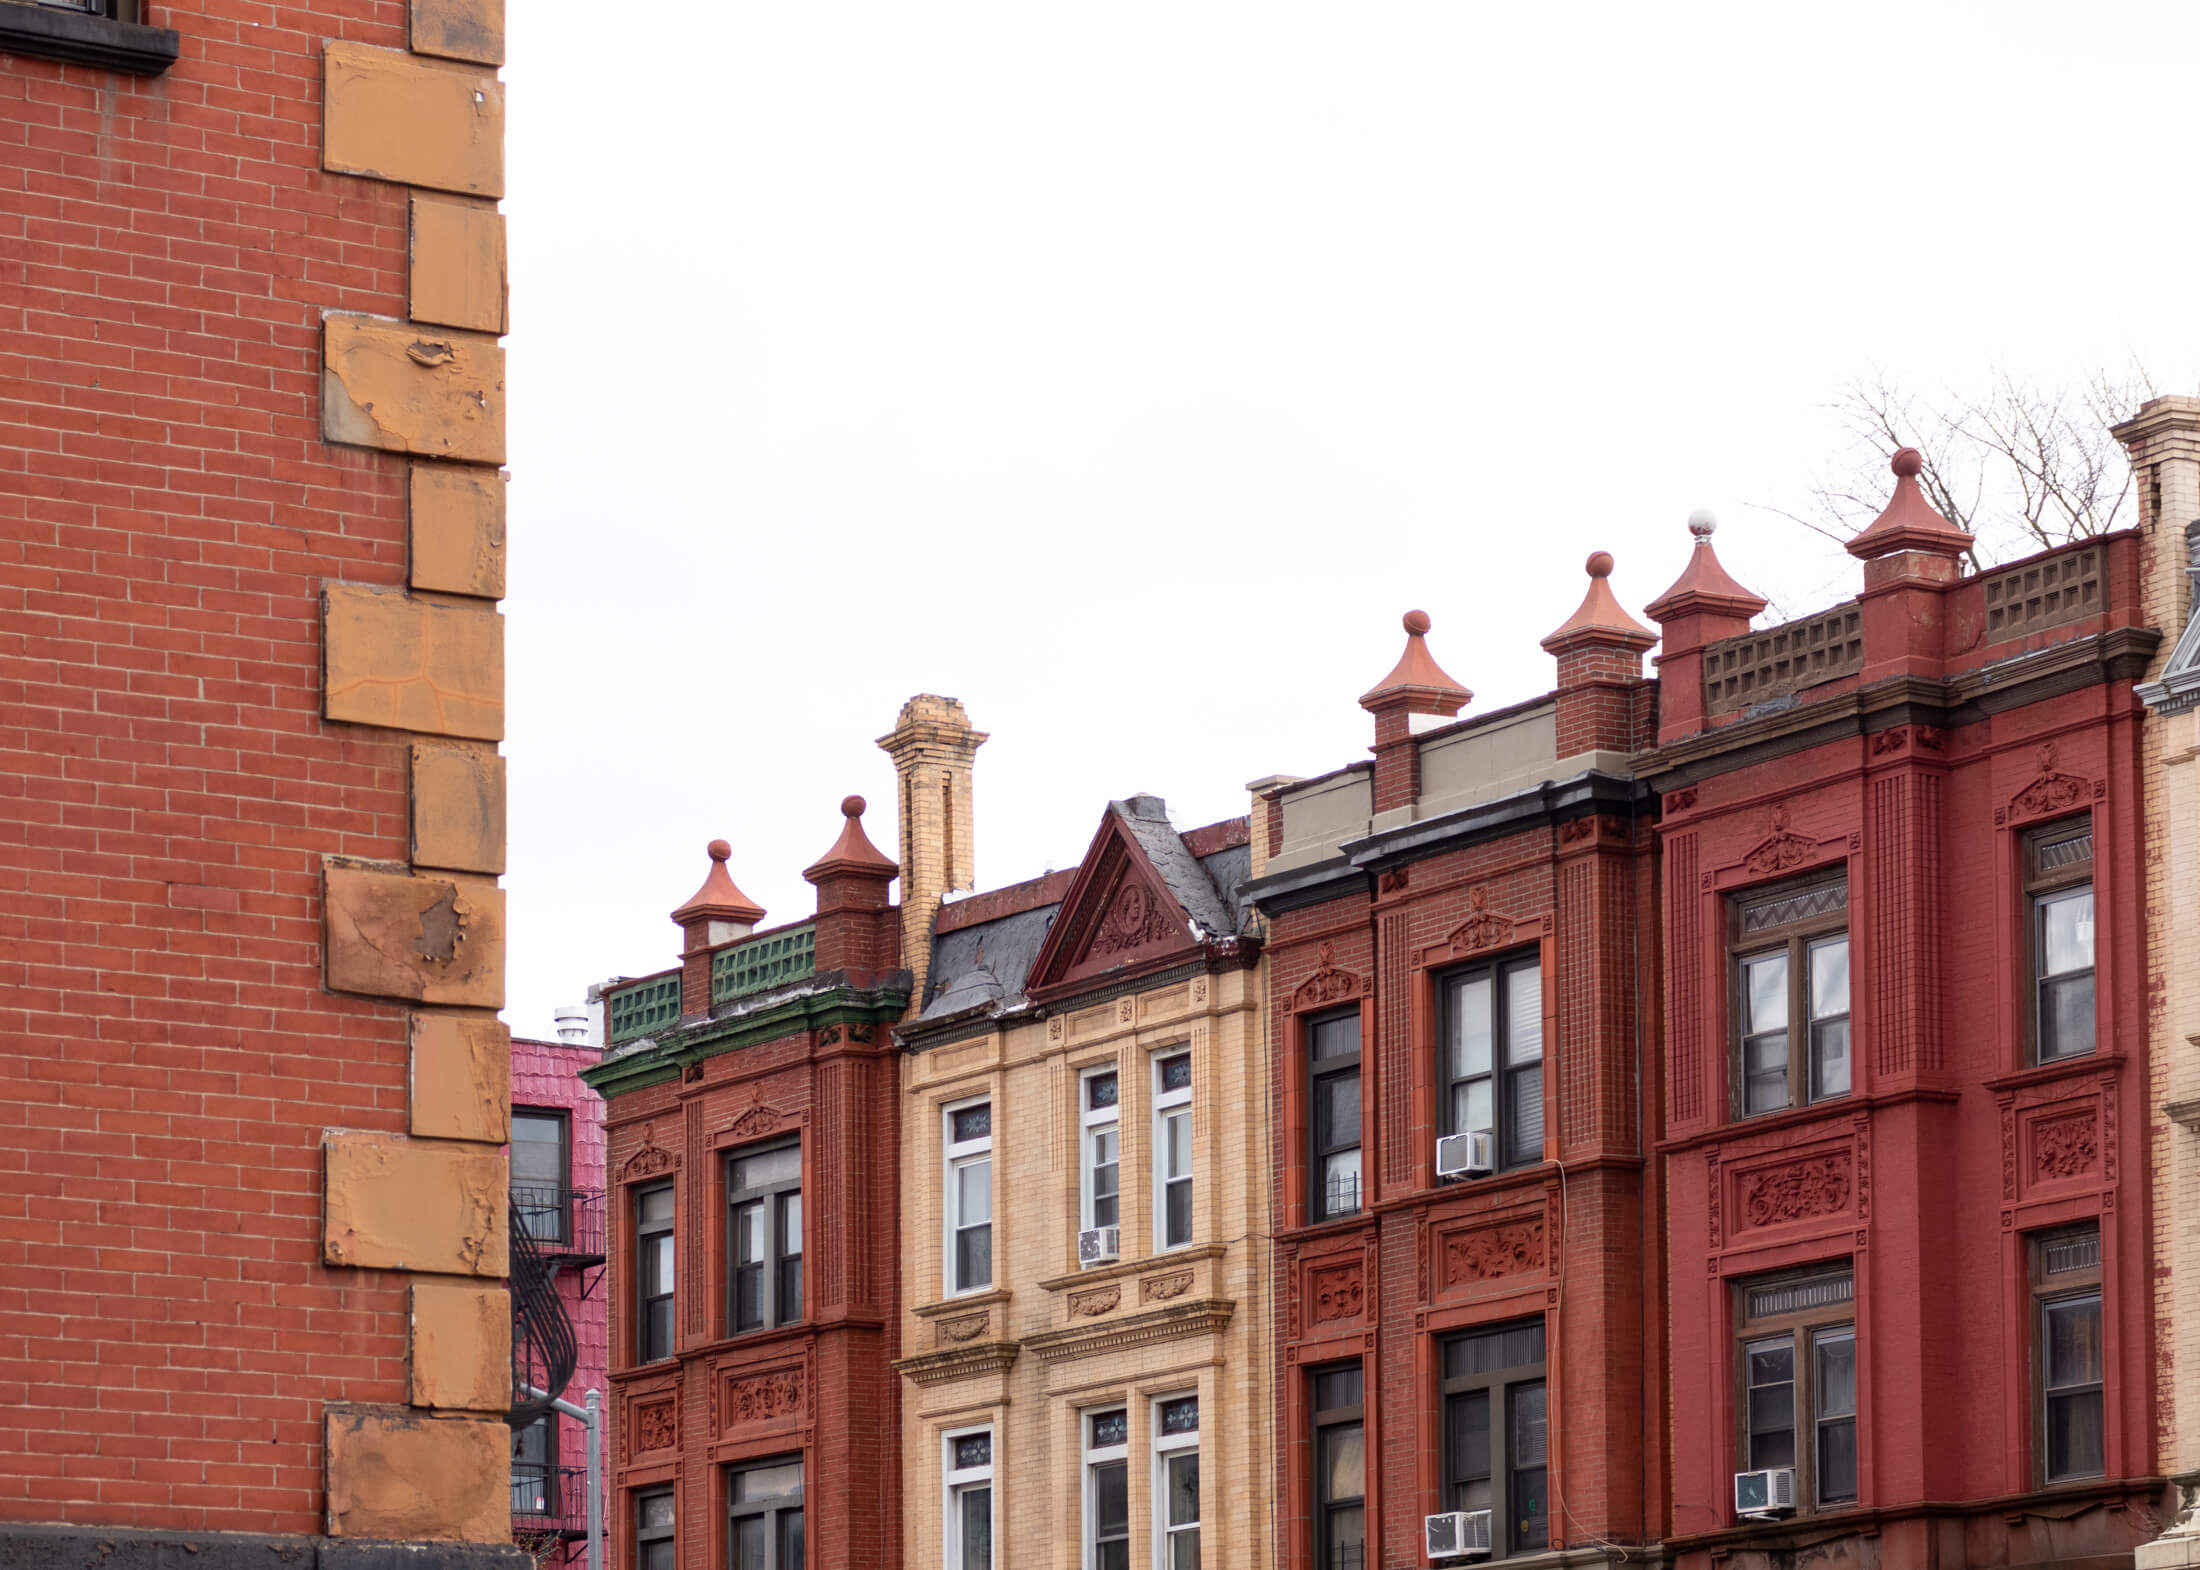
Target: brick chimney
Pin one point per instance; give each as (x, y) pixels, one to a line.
(718, 913)
(857, 928)
(1599, 652)
(1911, 555)
(1703, 606)
(932, 746)
(1415, 685)
(2163, 443)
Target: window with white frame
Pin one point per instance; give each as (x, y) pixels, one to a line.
(1172, 1146)
(1108, 1490)
(1176, 1483)
(969, 1513)
(969, 1135)
(1101, 1197)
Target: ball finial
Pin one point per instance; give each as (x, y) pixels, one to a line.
(1908, 461)
(1600, 564)
(1702, 524)
(852, 806)
(720, 851)
(1416, 623)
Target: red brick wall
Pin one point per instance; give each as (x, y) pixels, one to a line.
(167, 515)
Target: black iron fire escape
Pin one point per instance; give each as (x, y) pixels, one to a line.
(553, 1230)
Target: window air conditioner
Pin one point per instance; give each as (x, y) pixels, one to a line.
(1460, 1534)
(1762, 1496)
(1098, 1245)
(1466, 1155)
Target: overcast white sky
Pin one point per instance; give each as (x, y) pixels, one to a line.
(1127, 371)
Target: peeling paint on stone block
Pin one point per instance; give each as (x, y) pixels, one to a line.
(458, 529)
(421, 938)
(394, 1203)
(458, 269)
(397, 1474)
(458, 808)
(411, 664)
(461, 1078)
(404, 387)
(395, 116)
(461, 29)
(461, 1347)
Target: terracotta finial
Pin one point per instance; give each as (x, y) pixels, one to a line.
(1910, 522)
(719, 899)
(853, 852)
(1416, 682)
(1704, 586)
(1600, 621)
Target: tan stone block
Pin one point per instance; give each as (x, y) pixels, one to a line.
(461, 1347)
(461, 29)
(461, 1078)
(422, 938)
(395, 116)
(412, 389)
(458, 808)
(458, 530)
(393, 1203)
(399, 1475)
(410, 664)
(458, 272)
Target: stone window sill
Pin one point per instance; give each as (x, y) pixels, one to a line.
(49, 33)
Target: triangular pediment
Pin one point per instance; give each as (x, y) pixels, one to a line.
(1117, 920)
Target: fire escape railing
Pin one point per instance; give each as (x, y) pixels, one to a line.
(549, 1499)
(565, 1224)
(544, 1350)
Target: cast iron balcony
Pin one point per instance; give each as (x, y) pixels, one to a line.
(565, 1224)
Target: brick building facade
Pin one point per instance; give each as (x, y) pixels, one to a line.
(1462, 978)
(751, 1123)
(1905, 1154)
(255, 1091)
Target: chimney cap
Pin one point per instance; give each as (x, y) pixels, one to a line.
(718, 899)
(1417, 681)
(1704, 586)
(1600, 619)
(1909, 522)
(853, 852)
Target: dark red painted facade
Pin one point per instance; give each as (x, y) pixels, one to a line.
(1908, 745)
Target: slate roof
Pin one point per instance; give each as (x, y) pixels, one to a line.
(1148, 820)
(985, 964)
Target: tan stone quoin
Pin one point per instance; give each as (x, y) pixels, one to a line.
(458, 269)
(461, 1347)
(399, 1474)
(396, 116)
(461, 1078)
(461, 29)
(404, 387)
(411, 664)
(457, 808)
(414, 1204)
(458, 530)
(424, 939)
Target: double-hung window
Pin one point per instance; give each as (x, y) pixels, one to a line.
(969, 1513)
(653, 1272)
(764, 1242)
(1493, 1056)
(1172, 1144)
(1100, 1190)
(764, 1515)
(541, 1193)
(969, 1133)
(1176, 1483)
(1107, 1490)
(1791, 995)
(654, 1545)
(2066, 1294)
(1340, 1468)
(1496, 1433)
(1333, 1083)
(2058, 884)
(535, 1467)
(1798, 1383)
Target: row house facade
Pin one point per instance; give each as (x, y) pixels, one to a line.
(1906, 1092)
(751, 1140)
(1084, 1149)
(1462, 982)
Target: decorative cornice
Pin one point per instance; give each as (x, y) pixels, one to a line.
(1202, 1316)
(962, 1362)
(811, 1004)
